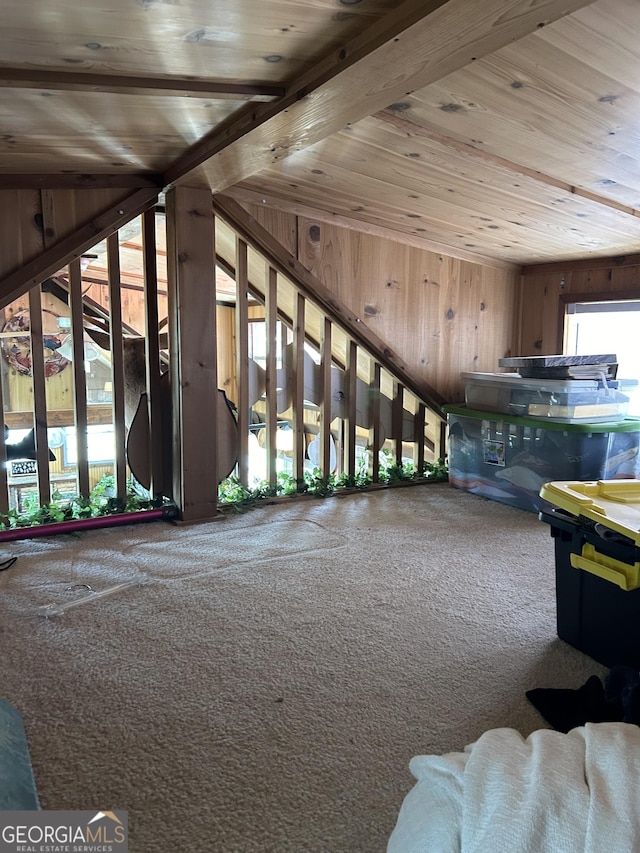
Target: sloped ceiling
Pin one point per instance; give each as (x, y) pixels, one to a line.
(505, 130)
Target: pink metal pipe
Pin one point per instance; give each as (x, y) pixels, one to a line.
(86, 524)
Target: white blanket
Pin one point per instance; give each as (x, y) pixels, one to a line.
(551, 793)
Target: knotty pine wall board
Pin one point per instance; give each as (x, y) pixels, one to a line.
(28, 217)
(543, 292)
(20, 227)
(441, 314)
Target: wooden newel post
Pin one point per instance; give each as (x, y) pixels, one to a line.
(192, 331)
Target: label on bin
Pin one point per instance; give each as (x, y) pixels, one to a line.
(494, 452)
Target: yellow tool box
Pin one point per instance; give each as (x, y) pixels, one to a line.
(596, 530)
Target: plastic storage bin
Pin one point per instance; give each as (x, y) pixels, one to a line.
(508, 458)
(596, 532)
(569, 400)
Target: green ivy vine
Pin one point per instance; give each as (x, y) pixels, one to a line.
(234, 496)
(101, 502)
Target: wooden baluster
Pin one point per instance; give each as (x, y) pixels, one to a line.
(152, 349)
(39, 394)
(350, 431)
(375, 431)
(298, 389)
(418, 437)
(117, 363)
(242, 358)
(271, 309)
(440, 450)
(397, 419)
(79, 377)
(325, 406)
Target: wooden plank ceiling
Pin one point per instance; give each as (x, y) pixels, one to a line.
(507, 131)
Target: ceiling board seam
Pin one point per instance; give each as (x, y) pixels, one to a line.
(421, 131)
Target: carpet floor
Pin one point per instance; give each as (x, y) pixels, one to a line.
(259, 683)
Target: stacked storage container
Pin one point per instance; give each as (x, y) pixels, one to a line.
(516, 433)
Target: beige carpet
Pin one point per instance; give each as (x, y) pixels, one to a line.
(266, 688)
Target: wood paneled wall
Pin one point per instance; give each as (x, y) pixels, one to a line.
(283, 226)
(546, 289)
(31, 220)
(442, 315)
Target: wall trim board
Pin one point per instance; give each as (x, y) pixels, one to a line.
(583, 265)
(601, 296)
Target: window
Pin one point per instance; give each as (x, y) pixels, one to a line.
(607, 327)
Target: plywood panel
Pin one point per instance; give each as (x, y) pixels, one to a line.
(627, 278)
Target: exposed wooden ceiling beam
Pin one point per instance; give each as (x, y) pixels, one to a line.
(184, 87)
(78, 181)
(418, 131)
(276, 202)
(68, 249)
(414, 45)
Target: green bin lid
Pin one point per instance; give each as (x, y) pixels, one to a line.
(626, 425)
